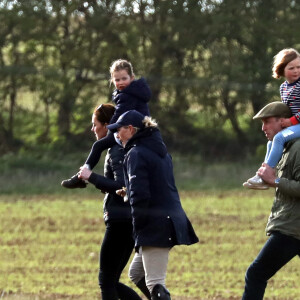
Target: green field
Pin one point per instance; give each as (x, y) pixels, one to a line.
(49, 247)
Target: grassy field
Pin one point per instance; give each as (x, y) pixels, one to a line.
(35, 175)
(49, 246)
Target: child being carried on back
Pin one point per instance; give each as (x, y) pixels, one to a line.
(286, 64)
(129, 94)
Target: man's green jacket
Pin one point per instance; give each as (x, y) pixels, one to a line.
(285, 213)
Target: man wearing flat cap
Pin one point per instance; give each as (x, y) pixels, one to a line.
(283, 226)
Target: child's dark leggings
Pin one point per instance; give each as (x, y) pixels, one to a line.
(102, 144)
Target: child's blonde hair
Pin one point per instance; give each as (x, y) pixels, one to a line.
(281, 59)
(119, 65)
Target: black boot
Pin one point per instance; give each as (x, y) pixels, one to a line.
(142, 286)
(159, 292)
(73, 183)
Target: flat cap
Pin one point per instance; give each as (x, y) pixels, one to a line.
(274, 109)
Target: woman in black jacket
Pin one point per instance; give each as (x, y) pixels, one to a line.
(118, 243)
(159, 221)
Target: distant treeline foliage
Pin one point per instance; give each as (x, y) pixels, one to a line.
(208, 64)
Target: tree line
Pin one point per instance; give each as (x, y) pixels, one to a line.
(208, 63)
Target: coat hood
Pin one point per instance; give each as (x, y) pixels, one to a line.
(138, 89)
(151, 139)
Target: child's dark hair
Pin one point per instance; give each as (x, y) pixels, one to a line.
(121, 64)
(281, 59)
(104, 112)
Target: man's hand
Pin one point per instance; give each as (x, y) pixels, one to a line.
(267, 174)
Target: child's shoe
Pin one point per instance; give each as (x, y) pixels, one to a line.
(74, 183)
(255, 187)
(256, 180)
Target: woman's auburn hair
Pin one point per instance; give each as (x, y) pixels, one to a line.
(104, 112)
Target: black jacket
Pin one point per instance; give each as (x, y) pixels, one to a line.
(135, 96)
(114, 207)
(158, 217)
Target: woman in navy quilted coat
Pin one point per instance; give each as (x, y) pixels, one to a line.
(159, 221)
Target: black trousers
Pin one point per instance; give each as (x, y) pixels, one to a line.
(116, 248)
(277, 251)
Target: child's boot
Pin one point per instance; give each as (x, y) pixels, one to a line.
(74, 183)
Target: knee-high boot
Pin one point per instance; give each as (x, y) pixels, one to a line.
(142, 286)
(159, 292)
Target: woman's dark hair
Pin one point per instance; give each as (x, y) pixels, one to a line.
(104, 112)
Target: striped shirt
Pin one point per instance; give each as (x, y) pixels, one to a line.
(290, 95)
